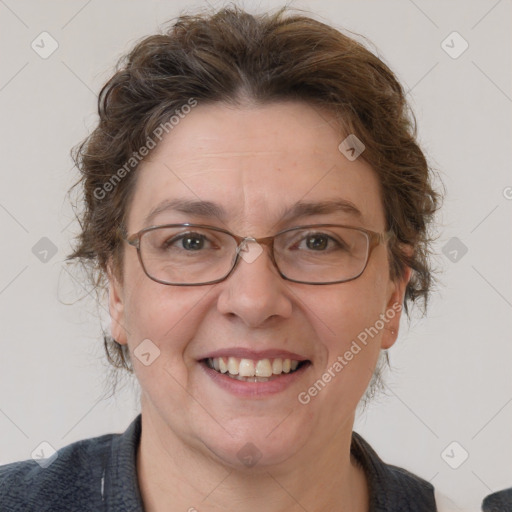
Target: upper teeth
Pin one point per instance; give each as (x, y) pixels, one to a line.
(251, 368)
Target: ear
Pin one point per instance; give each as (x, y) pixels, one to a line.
(394, 309)
(116, 307)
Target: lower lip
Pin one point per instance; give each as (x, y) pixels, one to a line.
(255, 389)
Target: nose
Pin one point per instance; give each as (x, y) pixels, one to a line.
(255, 292)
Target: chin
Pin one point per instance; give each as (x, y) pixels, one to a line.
(254, 449)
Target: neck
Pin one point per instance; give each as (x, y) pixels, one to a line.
(175, 476)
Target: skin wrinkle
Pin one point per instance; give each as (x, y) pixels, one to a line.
(210, 210)
(254, 307)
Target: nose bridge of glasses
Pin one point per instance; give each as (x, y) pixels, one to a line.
(250, 248)
(243, 242)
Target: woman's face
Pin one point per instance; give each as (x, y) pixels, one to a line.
(255, 164)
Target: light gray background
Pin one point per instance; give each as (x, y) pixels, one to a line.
(451, 378)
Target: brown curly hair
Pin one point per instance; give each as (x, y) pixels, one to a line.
(231, 56)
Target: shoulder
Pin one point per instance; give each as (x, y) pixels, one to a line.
(500, 501)
(66, 481)
(392, 487)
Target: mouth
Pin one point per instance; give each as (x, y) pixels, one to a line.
(251, 370)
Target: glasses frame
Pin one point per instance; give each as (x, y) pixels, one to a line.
(374, 239)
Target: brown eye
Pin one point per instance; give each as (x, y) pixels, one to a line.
(193, 243)
(185, 241)
(317, 242)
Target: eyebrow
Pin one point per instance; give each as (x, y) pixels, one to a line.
(304, 208)
(210, 209)
(201, 208)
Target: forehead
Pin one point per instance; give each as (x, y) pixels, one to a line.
(256, 163)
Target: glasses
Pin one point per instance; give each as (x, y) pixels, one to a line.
(195, 254)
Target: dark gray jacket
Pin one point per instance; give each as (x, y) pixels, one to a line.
(500, 501)
(99, 474)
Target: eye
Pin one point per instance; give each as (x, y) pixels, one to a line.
(189, 242)
(317, 241)
(320, 242)
(193, 242)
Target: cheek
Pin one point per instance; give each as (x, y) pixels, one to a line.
(349, 344)
(167, 316)
(349, 324)
(353, 309)
(151, 308)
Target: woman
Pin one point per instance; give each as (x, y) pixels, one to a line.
(258, 206)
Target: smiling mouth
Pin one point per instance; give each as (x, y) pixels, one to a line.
(249, 370)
